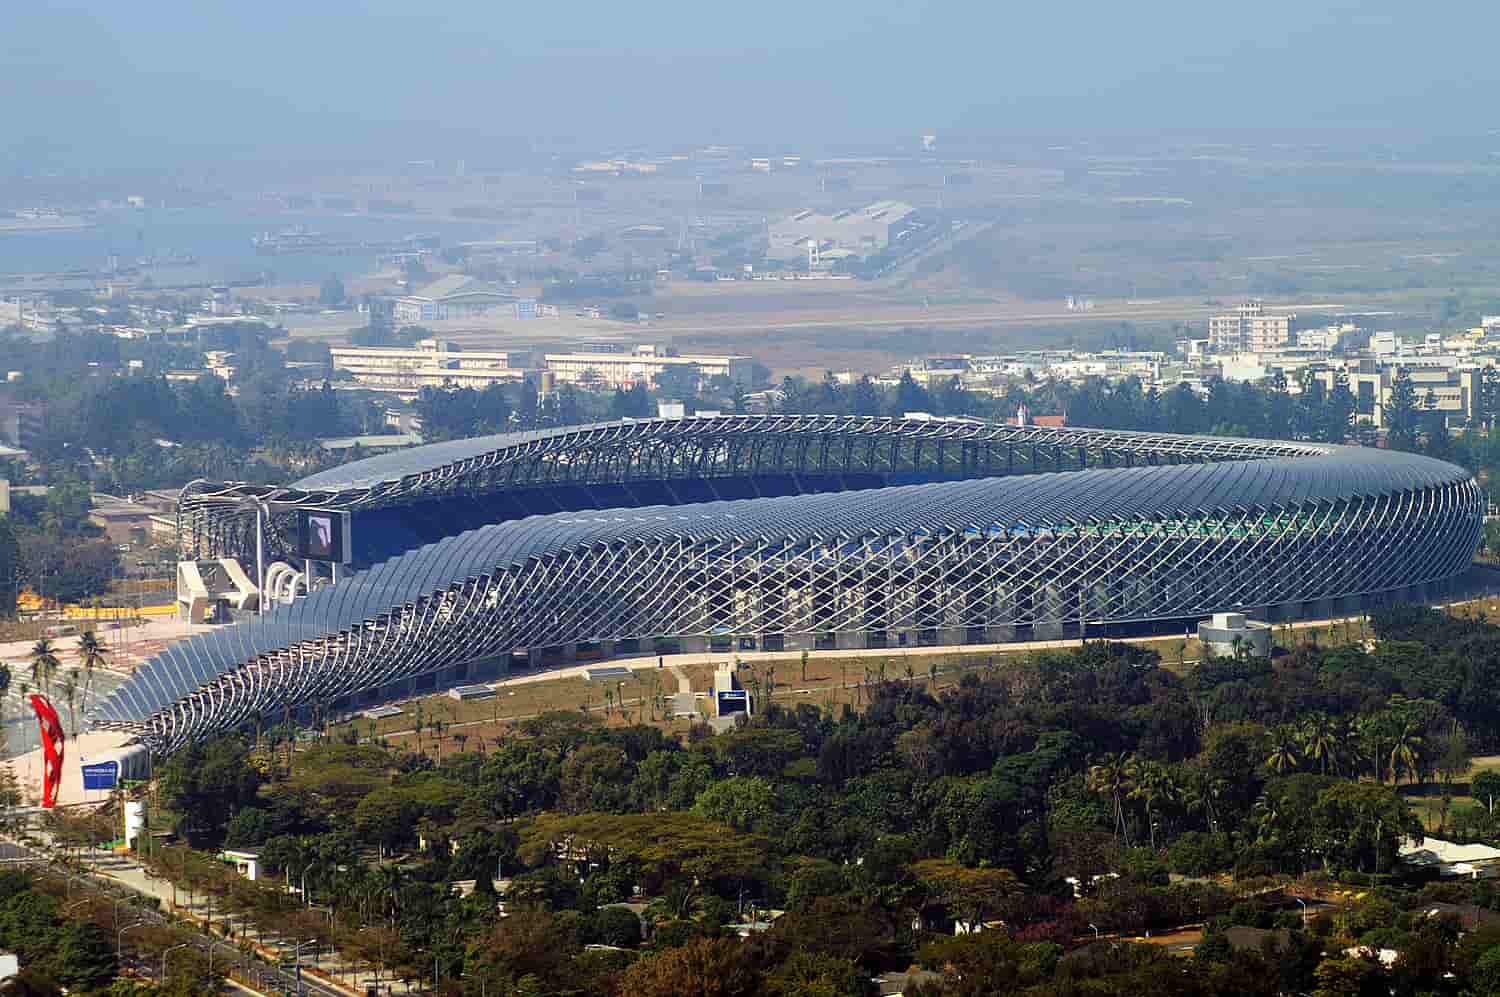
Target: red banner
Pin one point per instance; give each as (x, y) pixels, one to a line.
(53, 743)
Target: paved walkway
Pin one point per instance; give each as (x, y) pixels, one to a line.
(329, 965)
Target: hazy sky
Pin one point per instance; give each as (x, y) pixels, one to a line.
(97, 83)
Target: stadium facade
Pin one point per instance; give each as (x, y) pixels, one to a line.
(785, 532)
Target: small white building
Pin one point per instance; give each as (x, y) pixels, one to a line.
(1449, 859)
(1230, 634)
(246, 862)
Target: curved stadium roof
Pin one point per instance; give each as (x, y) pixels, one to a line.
(1276, 477)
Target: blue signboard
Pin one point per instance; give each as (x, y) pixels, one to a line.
(101, 775)
(734, 701)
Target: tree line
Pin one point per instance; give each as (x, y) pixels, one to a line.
(1044, 799)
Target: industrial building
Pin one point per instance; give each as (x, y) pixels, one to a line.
(816, 237)
(451, 297)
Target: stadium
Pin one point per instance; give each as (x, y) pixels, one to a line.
(778, 532)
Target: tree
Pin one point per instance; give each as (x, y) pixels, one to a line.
(666, 847)
(1321, 742)
(972, 895)
(703, 967)
(910, 396)
(678, 381)
(745, 804)
(816, 974)
(1350, 976)
(1340, 409)
(30, 983)
(91, 656)
(1486, 975)
(207, 783)
(1361, 825)
(1112, 778)
(1400, 414)
(10, 569)
(44, 664)
(1453, 754)
(864, 398)
(1485, 786)
(1406, 751)
(1284, 747)
(69, 691)
(1155, 789)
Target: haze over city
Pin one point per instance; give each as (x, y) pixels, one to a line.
(162, 84)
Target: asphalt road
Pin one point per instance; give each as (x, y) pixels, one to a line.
(263, 976)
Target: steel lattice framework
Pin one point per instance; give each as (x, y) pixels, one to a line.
(1219, 525)
(215, 520)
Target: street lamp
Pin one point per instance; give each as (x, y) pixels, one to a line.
(305, 869)
(166, 952)
(297, 958)
(1096, 931)
(120, 936)
(118, 902)
(1303, 904)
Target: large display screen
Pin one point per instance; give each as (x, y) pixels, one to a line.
(323, 535)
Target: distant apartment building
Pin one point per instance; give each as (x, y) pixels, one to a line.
(625, 370)
(431, 363)
(1249, 330)
(1439, 384)
(451, 297)
(1326, 339)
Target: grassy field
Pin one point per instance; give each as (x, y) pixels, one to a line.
(831, 682)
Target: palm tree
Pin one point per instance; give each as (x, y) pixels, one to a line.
(1283, 757)
(1112, 778)
(91, 654)
(1320, 742)
(69, 690)
(1406, 752)
(44, 663)
(1371, 734)
(1155, 789)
